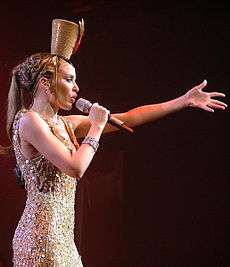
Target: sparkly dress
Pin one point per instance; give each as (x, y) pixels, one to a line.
(44, 236)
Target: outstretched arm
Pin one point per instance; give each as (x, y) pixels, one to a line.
(195, 97)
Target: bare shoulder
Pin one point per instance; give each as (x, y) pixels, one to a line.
(30, 117)
(31, 123)
(80, 123)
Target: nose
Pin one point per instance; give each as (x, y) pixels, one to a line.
(76, 88)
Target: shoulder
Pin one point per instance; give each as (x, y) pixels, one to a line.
(32, 123)
(30, 117)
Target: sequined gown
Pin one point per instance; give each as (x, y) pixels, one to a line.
(45, 233)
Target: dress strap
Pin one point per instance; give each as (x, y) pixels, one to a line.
(70, 131)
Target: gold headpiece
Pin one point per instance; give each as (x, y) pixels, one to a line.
(66, 37)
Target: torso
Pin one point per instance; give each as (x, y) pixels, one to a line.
(45, 233)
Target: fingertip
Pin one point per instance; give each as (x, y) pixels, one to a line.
(205, 82)
(210, 110)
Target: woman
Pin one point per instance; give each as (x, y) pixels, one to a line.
(51, 161)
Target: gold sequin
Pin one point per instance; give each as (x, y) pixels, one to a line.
(44, 236)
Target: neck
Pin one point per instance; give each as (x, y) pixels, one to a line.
(45, 109)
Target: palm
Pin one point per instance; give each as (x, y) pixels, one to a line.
(204, 100)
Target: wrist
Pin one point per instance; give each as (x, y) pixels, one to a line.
(183, 101)
(97, 126)
(175, 104)
(95, 131)
(91, 141)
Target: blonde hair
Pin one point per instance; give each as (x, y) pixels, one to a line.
(24, 83)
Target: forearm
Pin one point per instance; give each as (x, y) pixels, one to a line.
(84, 155)
(148, 113)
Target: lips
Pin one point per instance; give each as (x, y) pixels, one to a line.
(73, 99)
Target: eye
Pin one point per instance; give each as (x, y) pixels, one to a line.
(69, 80)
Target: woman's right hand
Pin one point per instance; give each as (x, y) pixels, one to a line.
(98, 115)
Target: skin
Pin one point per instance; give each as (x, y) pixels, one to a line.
(36, 137)
(195, 98)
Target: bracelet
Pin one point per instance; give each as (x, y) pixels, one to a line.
(92, 142)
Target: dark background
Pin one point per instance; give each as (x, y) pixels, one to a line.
(159, 197)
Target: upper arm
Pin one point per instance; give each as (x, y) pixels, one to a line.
(35, 131)
(81, 124)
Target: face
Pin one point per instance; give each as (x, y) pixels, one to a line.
(67, 88)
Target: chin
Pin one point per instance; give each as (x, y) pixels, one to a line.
(69, 107)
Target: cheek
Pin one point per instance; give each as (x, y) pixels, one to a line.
(62, 93)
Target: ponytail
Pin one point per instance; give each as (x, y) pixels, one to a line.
(15, 103)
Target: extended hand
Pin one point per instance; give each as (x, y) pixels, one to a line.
(204, 100)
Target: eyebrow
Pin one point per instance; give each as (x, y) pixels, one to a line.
(69, 75)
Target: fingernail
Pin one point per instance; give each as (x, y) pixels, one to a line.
(205, 81)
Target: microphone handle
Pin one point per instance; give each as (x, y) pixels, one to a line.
(84, 106)
(119, 124)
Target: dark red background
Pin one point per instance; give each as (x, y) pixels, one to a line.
(157, 198)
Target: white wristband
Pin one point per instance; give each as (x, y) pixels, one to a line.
(92, 142)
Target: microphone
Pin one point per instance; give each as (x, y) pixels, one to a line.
(84, 106)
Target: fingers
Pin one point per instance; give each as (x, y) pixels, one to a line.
(202, 85)
(95, 107)
(212, 94)
(216, 94)
(98, 107)
(209, 109)
(218, 104)
(213, 104)
(99, 112)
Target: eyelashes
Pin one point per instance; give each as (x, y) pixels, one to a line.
(70, 79)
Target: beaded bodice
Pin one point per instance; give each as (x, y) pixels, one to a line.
(46, 228)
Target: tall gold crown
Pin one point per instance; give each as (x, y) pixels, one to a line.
(66, 37)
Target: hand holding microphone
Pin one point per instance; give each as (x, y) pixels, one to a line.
(98, 115)
(85, 106)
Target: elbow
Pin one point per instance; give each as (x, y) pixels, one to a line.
(76, 173)
(76, 168)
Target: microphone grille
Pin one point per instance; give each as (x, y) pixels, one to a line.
(83, 105)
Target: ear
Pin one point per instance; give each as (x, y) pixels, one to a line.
(44, 82)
